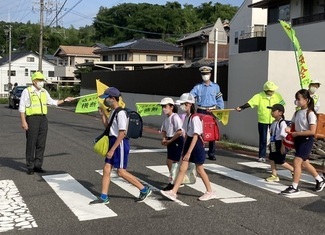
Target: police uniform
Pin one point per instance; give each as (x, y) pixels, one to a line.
(208, 97)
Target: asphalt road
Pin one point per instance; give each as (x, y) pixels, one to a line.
(69, 151)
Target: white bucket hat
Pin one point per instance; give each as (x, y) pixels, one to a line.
(186, 98)
(167, 100)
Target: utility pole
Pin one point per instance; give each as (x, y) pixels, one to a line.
(9, 55)
(41, 36)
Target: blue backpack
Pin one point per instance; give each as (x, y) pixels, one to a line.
(135, 124)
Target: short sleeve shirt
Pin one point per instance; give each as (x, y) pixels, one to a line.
(192, 125)
(119, 123)
(278, 130)
(172, 124)
(301, 122)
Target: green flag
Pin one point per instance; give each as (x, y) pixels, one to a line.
(148, 109)
(87, 103)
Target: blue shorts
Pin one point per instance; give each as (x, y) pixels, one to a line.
(198, 153)
(303, 146)
(276, 156)
(174, 149)
(121, 153)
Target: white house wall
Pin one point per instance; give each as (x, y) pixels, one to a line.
(247, 74)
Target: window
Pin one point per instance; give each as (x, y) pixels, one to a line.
(107, 58)
(51, 74)
(30, 59)
(32, 71)
(86, 60)
(236, 38)
(120, 57)
(152, 57)
(198, 51)
(188, 53)
(26, 72)
(177, 58)
(279, 12)
(13, 73)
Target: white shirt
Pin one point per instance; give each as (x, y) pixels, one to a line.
(119, 123)
(301, 122)
(194, 125)
(278, 130)
(25, 99)
(172, 124)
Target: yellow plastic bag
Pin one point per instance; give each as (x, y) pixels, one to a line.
(190, 176)
(101, 145)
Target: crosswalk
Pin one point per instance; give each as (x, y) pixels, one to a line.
(14, 213)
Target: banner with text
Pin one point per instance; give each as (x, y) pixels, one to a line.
(87, 104)
(149, 109)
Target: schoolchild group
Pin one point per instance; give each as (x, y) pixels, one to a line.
(184, 145)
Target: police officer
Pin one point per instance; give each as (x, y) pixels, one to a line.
(33, 109)
(268, 97)
(208, 97)
(313, 86)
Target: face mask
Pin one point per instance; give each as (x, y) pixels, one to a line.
(165, 111)
(107, 103)
(269, 93)
(312, 89)
(297, 103)
(39, 85)
(205, 77)
(183, 107)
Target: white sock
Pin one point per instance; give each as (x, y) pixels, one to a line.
(318, 178)
(294, 185)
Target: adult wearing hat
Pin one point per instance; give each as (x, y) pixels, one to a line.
(313, 86)
(208, 97)
(33, 110)
(268, 97)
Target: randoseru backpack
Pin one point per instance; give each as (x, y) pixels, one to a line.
(135, 123)
(320, 125)
(209, 126)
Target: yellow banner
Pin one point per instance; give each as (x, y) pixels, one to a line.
(222, 115)
(148, 109)
(101, 87)
(304, 75)
(87, 104)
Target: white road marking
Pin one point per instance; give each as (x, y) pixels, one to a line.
(77, 197)
(224, 194)
(151, 201)
(164, 150)
(273, 187)
(14, 213)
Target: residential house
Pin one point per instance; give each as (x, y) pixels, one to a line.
(70, 57)
(250, 70)
(247, 29)
(139, 54)
(199, 46)
(23, 65)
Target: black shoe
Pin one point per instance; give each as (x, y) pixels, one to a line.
(168, 187)
(39, 170)
(30, 172)
(290, 191)
(319, 185)
(212, 158)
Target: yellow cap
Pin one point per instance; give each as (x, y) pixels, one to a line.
(37, 75)
(270, 86)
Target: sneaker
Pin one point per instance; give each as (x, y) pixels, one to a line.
(319, 185)
(30, 171)
(169, 194)
(99, 200)
(39, 170)
(290, 191)
(208, 196)
(144, 195)
(273, 178)
(261, 159)
(168, 187)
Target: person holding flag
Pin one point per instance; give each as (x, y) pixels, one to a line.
(313, 86)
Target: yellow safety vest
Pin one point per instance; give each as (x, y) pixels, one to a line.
(262, 101)
(315, 98)
(38, 105)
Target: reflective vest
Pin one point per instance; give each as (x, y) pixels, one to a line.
(315, 98)
(261, 102)
(38, 105)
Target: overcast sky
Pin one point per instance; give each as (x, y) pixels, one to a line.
(75, 12)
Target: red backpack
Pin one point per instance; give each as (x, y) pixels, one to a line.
(209, 126)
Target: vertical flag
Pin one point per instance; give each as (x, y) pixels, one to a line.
(101, 87)
(303, 71)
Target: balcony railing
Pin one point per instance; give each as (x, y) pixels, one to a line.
(253, 34)
(308, 19)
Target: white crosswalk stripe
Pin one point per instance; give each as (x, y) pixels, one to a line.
(224, 194)
(273, 187)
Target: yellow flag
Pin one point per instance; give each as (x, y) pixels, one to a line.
(303, 71)
(101, 87)
(222, 115)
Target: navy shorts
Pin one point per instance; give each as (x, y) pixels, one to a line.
(121, 153)
(198, 153)
(276, 156)
(174, 149)
(303, 146)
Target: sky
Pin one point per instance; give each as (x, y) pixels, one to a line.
(76, 13)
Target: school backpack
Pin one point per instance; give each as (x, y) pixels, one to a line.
(209, 126)
(320, 128)
(135, 124)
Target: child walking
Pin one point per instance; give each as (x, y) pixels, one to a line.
(119, 147)
(305, 127)
(277, 149)
(193, 150)
(172, 134)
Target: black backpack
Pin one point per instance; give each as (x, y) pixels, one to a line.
(135, 124)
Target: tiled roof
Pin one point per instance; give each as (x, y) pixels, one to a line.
(18, 55)
(143, 44)
(204, 31)
(75, 50)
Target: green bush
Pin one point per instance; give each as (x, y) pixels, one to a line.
(64, 92)
(3, 100)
